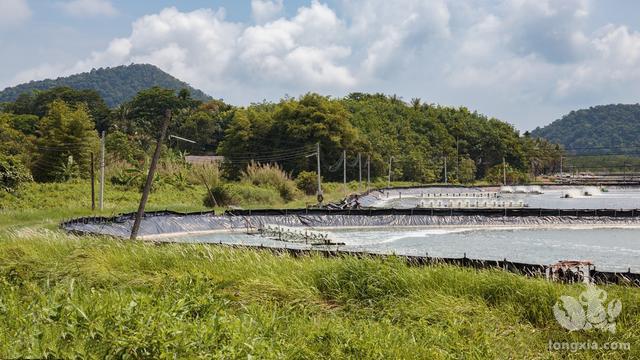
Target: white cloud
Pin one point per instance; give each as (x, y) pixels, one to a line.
(13, 12)
(265, 10)
(614, 59)
(521, 60)
(304, 49)
(82, 8)
(202, 48)
(389, 31)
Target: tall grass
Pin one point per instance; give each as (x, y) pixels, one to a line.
(64, 297)
(271, 175)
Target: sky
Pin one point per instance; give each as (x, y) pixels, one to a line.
(527, 62)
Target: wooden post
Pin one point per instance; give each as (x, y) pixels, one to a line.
(152, 170)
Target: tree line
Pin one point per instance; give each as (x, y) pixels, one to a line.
(52, 133)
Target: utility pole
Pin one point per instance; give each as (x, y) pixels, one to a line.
(102, 152)
(93, 184)
(368, 171)
(457, 159)
(445, 169)
(344, 172)
(389, 178)
(504, 171)
(533, 170)
(359, 172)
(561, 177)
(319, 177)
(152, 170)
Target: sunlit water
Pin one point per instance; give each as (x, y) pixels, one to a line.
(552, 198)
(613, 249)
(616, 248)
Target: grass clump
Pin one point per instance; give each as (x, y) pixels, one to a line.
(307, 182)
(271, 175)
(364, 280)
(67, 297)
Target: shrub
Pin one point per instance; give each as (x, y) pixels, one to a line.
(467, 171)
(206, 174)
(12, 173)
(251, 194)
(307, 181)
(220, 195)
(495, 175)
(270, 175)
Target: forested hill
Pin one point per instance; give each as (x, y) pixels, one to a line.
(597, 130)
(116, 85)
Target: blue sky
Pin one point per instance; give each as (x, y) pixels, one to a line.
(527, 62)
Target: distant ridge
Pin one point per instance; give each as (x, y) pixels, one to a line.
(604, 129)
(116, 85)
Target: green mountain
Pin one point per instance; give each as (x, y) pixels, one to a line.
(605, 129)
(116, 85)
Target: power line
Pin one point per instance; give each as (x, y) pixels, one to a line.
(275, 153)
(270, 159)
(603, 147)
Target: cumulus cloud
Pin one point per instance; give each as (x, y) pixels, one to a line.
(83, 8)
(203, 48)
(265, 10)
(520, 60)
(13, 12)
(614, 58)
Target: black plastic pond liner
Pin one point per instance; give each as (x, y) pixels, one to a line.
(171, 222)
(540, 212)
(167, 222)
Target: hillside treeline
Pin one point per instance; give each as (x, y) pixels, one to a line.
(600, 130)
(116, 85)
(52, 133)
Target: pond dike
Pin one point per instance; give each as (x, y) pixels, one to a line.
(162, 225)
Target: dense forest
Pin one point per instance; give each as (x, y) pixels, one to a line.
(115, 85)
(52, 132)
(599, 130)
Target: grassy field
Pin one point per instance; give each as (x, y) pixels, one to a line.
(63, 297)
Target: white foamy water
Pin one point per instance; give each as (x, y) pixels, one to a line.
(567, 197)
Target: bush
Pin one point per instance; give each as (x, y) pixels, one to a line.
(467, 171)
(307, 181)
(12, 173)
(270, 175)
(495, 175)
(251, 194)
(220, 195)
(226, 194)
(206, 174)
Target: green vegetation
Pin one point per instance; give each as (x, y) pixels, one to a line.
(116, 85)
(67, 297)
(49, 132)
(605, 129)
(599, 139)
(12, 174)
(613, 164)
